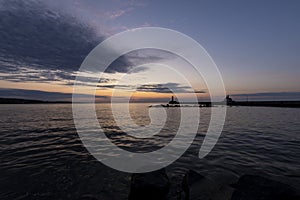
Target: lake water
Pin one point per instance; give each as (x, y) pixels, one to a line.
(42, 156)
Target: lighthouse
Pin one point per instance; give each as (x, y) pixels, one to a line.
(173, 101)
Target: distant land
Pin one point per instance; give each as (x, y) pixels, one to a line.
(27, 101)
(291, 104)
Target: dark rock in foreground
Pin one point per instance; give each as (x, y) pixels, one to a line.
(156, 185)
(87, 197)
(250, 187)
(149, 186)
(198, 187)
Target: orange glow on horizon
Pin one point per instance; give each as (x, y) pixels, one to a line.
(61, 88)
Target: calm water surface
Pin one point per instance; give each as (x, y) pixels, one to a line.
(42, 157)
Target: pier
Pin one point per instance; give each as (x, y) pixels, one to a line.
(290, 104)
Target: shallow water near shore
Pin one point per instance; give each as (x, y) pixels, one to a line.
(42, 156)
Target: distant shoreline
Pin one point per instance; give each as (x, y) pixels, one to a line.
(29, 101)
(290, 104)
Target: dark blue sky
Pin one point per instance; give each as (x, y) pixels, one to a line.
(255, 44)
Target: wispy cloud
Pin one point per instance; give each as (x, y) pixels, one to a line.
(162, 88)
(29, 74)
(110, 86)
(167, 88)
(129, 7)
(153, 87)
(117, 13)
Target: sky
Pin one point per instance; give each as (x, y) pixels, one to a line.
(255, 44)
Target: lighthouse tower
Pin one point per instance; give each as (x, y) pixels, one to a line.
(173, 101)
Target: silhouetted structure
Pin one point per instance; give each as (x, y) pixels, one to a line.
(228, 100)
(173, 101)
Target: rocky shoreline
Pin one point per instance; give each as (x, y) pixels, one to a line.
(194, 186)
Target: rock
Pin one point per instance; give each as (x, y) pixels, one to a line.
(251, 187)
(149, 186)
(198, 187)
(87, 197)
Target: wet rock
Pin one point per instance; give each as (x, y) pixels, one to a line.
(87, 197)
(198, 187)
(251, 187)
(149, 186)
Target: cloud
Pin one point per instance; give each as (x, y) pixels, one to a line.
(116, 86)
(199, 91)
(126, 63)
(40, 43)
(162, 88)
(117, 13)
(129, 7)
(41, 95)
(167, 88)
(26, 74)
(34, 36)
(157, 88)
